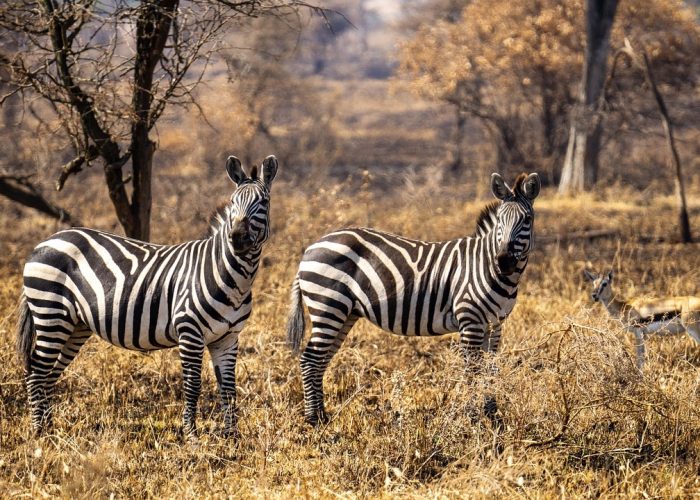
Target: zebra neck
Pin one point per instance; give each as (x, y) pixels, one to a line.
(489, 250)
(241, 268)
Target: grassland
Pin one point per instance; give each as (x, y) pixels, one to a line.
(406, 421)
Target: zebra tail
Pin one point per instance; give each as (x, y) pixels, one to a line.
(25, 332)
(295, 320)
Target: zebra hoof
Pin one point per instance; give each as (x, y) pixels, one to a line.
(189, 433)
(230, 433)
(491, 412)
(318, 418)
(490, 407)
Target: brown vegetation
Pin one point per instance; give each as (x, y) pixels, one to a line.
(406, 420)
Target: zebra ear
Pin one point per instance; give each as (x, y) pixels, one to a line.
(589, 276)
(499, 187)
(269, 169)
(531, 186)
(235, 170)
(610, 275)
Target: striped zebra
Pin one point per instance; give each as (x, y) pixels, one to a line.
(408, 287)
(143, 297)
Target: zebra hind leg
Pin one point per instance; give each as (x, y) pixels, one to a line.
(324, 343)
(68, 353)
(40, 378)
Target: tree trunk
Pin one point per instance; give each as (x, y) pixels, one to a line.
(580, 169)
(457, 167)
(508, 150)
(152, 28)
(683, 219)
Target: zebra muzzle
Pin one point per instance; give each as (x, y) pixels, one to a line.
(241, 237)
(507, 263)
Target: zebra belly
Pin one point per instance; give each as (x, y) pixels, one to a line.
(403, 286)
(405, 316)
(134, 321)
(140, 325)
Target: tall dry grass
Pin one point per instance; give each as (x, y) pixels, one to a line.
(406, 420)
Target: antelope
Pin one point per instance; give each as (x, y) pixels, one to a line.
(666, 315)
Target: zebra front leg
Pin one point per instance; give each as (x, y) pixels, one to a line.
(223, 355)
(191, 347)
(322, 346)
(490, 405)
(471, 340)
(474, 340)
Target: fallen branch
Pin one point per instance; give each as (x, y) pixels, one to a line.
(579, 235)
(20, 190)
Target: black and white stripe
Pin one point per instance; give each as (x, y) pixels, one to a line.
(409, 287)
(143, 297)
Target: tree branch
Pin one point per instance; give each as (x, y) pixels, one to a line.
(76, 165)
(20, 190)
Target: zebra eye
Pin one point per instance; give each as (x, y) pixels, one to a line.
(603, 285)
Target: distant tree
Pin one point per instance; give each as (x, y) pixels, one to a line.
(581, 162)
(513, 66)
(504, 64)
(265, 101)
(109, 70)
(641, 62)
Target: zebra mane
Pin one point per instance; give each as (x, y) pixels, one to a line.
(217, 219)
(487, 218)
(518, 186)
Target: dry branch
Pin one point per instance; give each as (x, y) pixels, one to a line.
(641, 62)
(20, 190)
(579, 235)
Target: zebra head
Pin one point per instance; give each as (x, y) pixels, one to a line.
(248, 217)
(602, 285)
(515, 220)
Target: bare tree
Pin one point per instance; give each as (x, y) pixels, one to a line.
(581, 161)
(109, 70)
(640, 61)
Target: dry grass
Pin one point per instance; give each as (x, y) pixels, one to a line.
(579, 419)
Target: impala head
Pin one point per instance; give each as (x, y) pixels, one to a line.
(602, 285)
(515, 219)
(248, 218)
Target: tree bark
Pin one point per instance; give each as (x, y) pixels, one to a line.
(580, 169)
(152, 28)
(456, 167)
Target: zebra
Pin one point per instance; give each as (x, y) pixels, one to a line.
(144, 297)
(409, 287)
